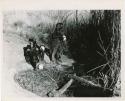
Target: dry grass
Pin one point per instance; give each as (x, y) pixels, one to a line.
(110, 52)
(41, 82)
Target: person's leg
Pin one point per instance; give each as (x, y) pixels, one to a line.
(50, 55)
(60, 51)
(54, 54)
(34, 65)
(41, 56)
(34, 61)
(57, 56)
(55, 51)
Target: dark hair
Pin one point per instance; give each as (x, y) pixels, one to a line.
(31, 40)
(59, 24)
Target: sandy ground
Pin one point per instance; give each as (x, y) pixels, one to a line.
(13, 61)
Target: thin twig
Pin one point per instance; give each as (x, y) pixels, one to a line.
(99, 53)
(97, 67)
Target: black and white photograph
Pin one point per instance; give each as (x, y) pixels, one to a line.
(61, 53)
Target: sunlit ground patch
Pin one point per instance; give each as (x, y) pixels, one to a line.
(39, 82)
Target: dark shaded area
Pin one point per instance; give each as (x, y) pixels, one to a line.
(83, 91)
(84, 38)
(95, 43)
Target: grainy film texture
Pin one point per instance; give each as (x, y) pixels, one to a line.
(62, 53)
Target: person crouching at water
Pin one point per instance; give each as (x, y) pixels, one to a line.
(31, 53)
(58, 39)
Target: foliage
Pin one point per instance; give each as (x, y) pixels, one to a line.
(96, 44)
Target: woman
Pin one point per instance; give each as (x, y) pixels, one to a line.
(57, 43)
